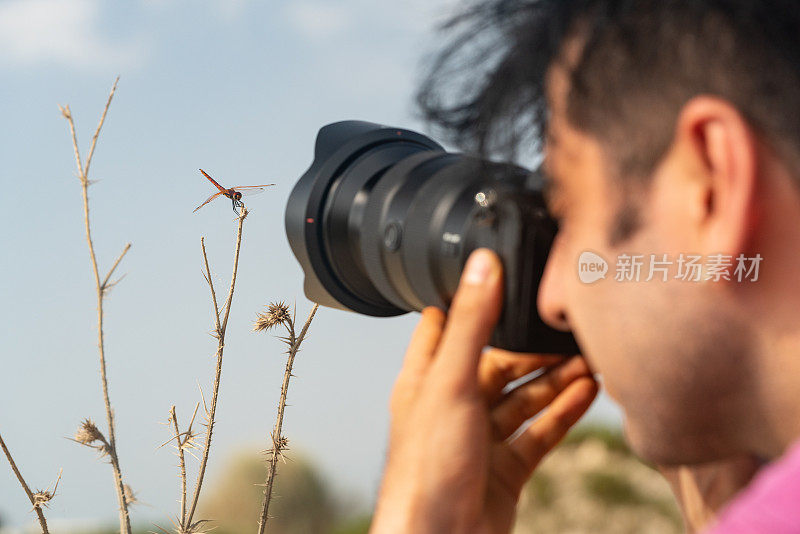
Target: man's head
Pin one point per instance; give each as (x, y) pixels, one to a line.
(670, 128)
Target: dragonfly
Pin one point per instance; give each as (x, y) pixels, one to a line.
(234, 193)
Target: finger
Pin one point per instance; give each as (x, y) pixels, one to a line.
(498, 367)
(424, 341)
(470, 320)
(526, 401)
(418, 356)
(545, 433)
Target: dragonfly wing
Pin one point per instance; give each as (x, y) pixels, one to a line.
(209, 199)
(247, 190)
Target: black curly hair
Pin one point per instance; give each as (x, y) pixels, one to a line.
(641, 60)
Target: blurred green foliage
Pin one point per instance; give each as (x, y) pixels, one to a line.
(302, 501)
(593, 483)
(358, 525)
(611, 437)
(611, 488)
(542, 488)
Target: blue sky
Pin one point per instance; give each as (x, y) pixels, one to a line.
(238, 88)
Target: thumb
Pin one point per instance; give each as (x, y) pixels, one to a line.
(472, 316)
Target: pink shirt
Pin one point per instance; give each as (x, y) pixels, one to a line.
(769, 504)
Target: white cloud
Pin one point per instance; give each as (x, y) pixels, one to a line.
(319, 20)
(58, 31)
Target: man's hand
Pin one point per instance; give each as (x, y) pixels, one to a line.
(450, 468)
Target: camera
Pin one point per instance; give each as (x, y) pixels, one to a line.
(384, 219)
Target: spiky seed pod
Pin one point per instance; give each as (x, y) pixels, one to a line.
(41, 498)
(277, 313)
(88, 433)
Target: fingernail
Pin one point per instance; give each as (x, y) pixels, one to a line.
(478, 268)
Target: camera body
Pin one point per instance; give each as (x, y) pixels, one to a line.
(383, 221)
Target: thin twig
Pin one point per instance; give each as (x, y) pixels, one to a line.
(83, 175)
(217, 326)
(97, 131)
(105, 284)
(235, 267)
(220, 334)
(181, 462)
(278, 442)
(37, 508)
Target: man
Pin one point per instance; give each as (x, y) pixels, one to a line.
(671, 130)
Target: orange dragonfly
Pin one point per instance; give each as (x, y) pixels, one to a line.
(234, 193)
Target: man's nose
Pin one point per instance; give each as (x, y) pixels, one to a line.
(550, 301)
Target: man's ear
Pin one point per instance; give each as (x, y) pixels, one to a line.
(723, 152)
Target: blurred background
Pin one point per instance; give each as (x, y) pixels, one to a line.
(238, 88)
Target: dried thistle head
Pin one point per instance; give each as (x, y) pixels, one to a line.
(42, 497)
(88, 433)
(278, 447)
(277, 313)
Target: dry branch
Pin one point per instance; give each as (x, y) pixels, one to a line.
(183, 441)
(278, 314)
(101, 288)
(220, 326)
(181, 463)
(37, 499)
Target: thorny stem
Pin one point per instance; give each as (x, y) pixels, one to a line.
(294, 347)
(184, 440)
(181, 462)
(220, 335)
(37, 509)
(83, 175)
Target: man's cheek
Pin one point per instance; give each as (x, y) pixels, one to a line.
(599, 329)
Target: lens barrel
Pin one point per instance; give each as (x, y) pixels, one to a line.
(384, 220)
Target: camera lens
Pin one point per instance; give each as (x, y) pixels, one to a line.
(384, 219)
